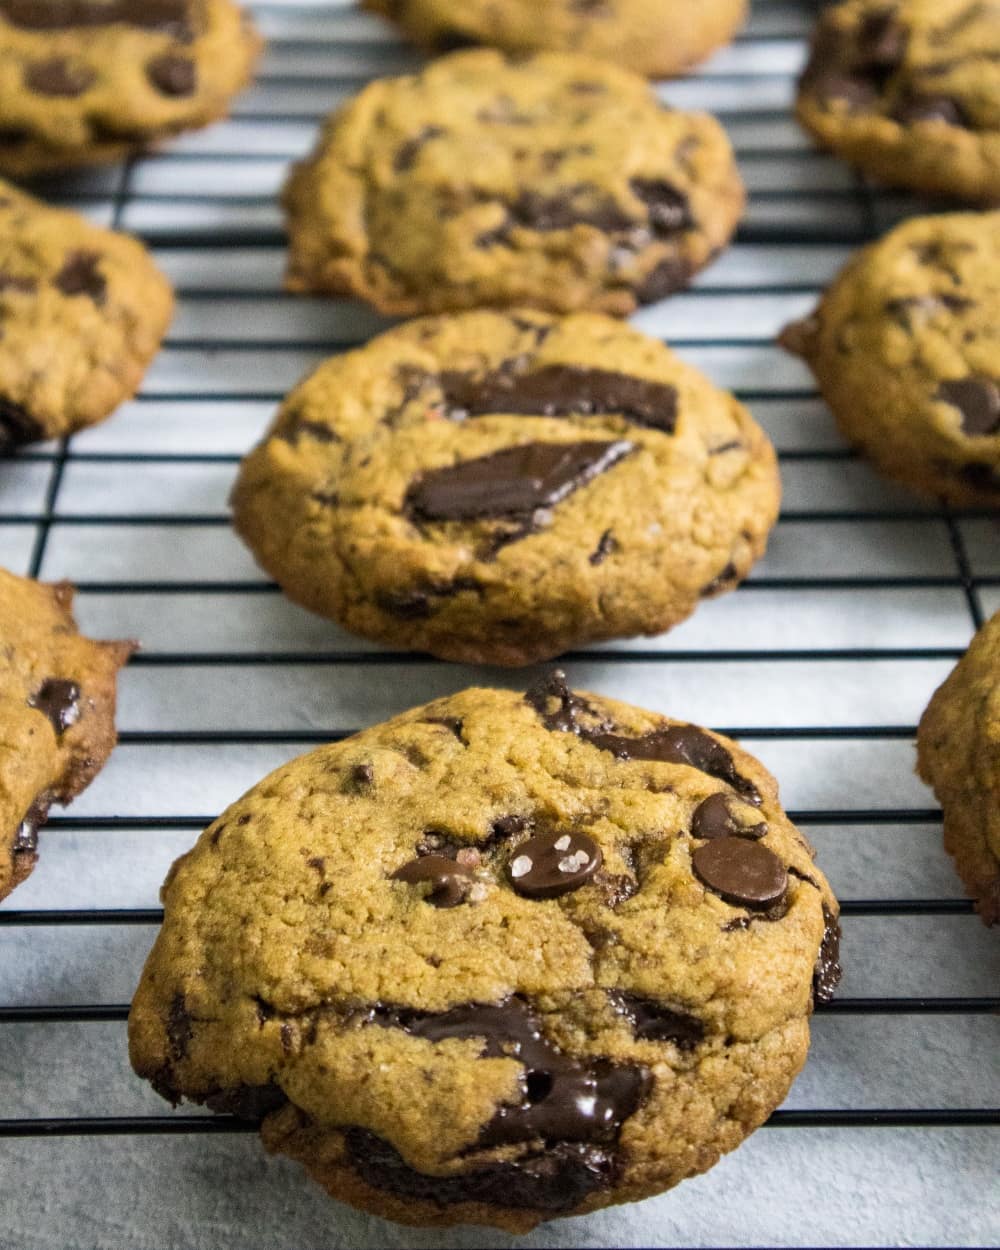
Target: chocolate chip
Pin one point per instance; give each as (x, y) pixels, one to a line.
(722, 816)
(172, 16)
(507, 826)
(26, 836)
(59, 700)
(58, 77)
(80, 276)
(571, 713)
(407, 153)
(667, 276)
(173, 75)
(978, 400)
(514, 481)
(362, 776)
(680, 744)
(654, 1022)
(551, 864)
(421, 602)
(724, 580)
(248, 1102)
(669, 209)
(930, 108)
(17, 427)
(827, 973)
(741, 872)
(449, 880)
(582, 205)
(607, 545)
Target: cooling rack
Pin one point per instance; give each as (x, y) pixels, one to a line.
(821, 663)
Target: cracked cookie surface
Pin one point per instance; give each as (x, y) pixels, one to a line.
(82, 313)
(658, 38)
(905, 346)
(500, 959)
(554, 181)
(958, 753)
(57, 707)
(909, 92)
(497, 488)
(90, 81)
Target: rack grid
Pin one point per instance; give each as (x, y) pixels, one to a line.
(821, 663)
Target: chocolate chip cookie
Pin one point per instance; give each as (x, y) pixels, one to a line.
(909, 92)
(82, 313)
(658, 38)
(88, 81)
(554, 181)
(57, 709)
(905, 346)
(499, 487)
(958, 753)
(501, 959)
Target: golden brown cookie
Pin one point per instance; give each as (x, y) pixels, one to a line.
(553, 181)
(958, 753)
(500, 487)
(83, 311)
(88, 81)
(658, 38)
(57, 708)
(501, 959)
(905, 345)
(909, 92)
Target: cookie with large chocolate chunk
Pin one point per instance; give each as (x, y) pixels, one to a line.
(909, 92)
(958, 753)
(88, 81)
(489, 962)
(904, 346)
(57, 709)
(553, 181)
(497, 488)
(82, 313)
(658, 38)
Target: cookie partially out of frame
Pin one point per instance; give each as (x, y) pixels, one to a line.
(909, 92)
(88, 81)
(501, 959)
(554, 181)
(658, 38)
(499, 487)
(958, 753)
(82, 312)
(905, 347)
(57, 707)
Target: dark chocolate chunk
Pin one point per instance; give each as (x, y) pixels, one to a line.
(571, 710)
(511, 482)
(668, 275)
(171, 16)
(58, 77)
(248, 1102)
(17, 427)
(669, 210)
(978, 400)
(680, 744)
(725, 579)
(655, 1022)
(576, 206)
(362, 776)
(930, 108)
(420, 602)
(407, 153)
(80, 276)
(715, 817)
(551, 864)
(606, 546)
(59, 700)
(742, 872)
(827, 973)
(173, 75)
(26, 835)
(449, 880)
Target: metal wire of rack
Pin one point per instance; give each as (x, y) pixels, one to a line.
(821, 662)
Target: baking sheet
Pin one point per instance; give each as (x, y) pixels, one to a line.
(822, 664)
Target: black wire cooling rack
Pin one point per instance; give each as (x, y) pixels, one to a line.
(866, 589)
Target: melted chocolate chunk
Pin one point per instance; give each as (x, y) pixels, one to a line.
(680, 744)
(26, 836)
(978, 400)
(655, 1022)
(173, 75)
(17, 427)
(172, 16)
(80, 276)
(59, 700)
(407, 153)
(512, 482)
(571, 708)
(669, 210)
(551, 864)
(422, 602)
(827, 973)
(741, 872)
(561, 391)
(718, 817)
(248, 1102)
(58, 77)
(449, 880)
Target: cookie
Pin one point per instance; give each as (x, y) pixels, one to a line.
(89, 81)
(909, 92)
(905, 346)
(501, 959)
(658, 38)
(497, 488)
(554, 181)
(83, 312)
(57, 708)
(958, 754)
